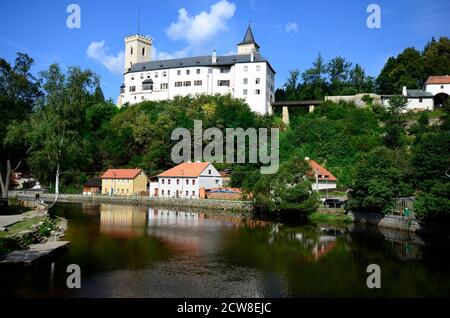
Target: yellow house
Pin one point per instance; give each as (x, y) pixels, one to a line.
(124, 182)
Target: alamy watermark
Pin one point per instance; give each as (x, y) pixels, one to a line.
(374, 19)
(74, 19)
(235, 146)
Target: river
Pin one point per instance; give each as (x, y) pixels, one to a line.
(136, 251)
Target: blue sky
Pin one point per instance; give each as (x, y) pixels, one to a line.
(290, 33)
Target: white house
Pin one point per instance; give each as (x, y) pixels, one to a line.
(324, 179)
(246, 75)
(439, 86)
(186, 180)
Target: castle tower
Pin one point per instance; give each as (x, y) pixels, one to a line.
(248, 44)
(138, 49)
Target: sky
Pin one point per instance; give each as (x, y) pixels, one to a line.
(291, 33)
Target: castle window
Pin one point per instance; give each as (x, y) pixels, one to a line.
(131, 51)
(188, 72)
(257, 92)
(132, 78)
(258, 81)
(148, 75)
(245, 92)
(143, 51)
(224, 70)
(245, 81)
(178, 84)
(164, 86)
(245, 68)
(164, 74)
(187, 83)
(132, 89)
(198, 71)
(142, 76)
(210, 70)
(178, 72)
(156, 74)
(197, 83)
(223, 83)
(147, 87)
(258, 68)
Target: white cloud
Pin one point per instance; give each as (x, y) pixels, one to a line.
(100, 53)
(291, 27)
(202, 27)
(161, 55)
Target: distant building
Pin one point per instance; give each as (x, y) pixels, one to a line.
(186, 180)
(247, 75)
(439, 86)
(92, 186)
(324, 179)
(124, 182)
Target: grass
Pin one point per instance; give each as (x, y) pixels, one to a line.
(318, 217)
(23, 225)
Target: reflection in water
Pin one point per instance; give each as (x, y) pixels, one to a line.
(136, 251)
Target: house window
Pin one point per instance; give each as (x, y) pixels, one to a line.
(187, 181)
(178, 84)
(245, 81)
(187, 193)
(162, 181)
(178, 72)
(223, 83)
(258, 68)
(257, 92)
(178, 181)
(168, 181)
(420, 100)
(193, 182)
(245, 68)
(187, 83)
(209, 171)
(193, 193)
(188, 72)
(245, 92)
(132, 89)
(162, 192)
(198, 83)
(258, 81)
(168, 192)
(442, 86)
(198, 71)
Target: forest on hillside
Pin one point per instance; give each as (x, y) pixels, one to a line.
(59, 123)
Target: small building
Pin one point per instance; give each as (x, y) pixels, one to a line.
(186, 180)
(92, 186)
(439, 86)
(324, 179)
(124, 182)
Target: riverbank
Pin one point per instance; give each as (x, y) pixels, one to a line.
(242, 207)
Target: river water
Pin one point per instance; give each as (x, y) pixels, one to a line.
(132, 251)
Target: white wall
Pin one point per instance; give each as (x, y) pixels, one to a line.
(209, 77)
(330, 185)
(436, 88)
(417, 104)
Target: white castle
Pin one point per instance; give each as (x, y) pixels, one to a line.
(247, 75)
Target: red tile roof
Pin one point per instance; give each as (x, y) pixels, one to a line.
(185, 169)
(321, 171)
(438, 80)
(121, 173)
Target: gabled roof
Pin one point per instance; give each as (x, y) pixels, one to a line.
(196, 61)
(321, 171)
(248, 38)
(121, 173)
(418, 93)
(445, 79)
(94, 182)
(185, 169)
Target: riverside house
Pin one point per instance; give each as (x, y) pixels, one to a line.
(124, 182)
(187, 180)
(324, 179)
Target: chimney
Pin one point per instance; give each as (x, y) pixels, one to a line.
(404, 92)
(214, 57)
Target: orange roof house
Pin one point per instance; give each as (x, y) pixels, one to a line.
(187, 180)
(124, 182)
(324, 179)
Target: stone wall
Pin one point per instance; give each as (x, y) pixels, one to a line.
(223, 205)
(389, 221)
